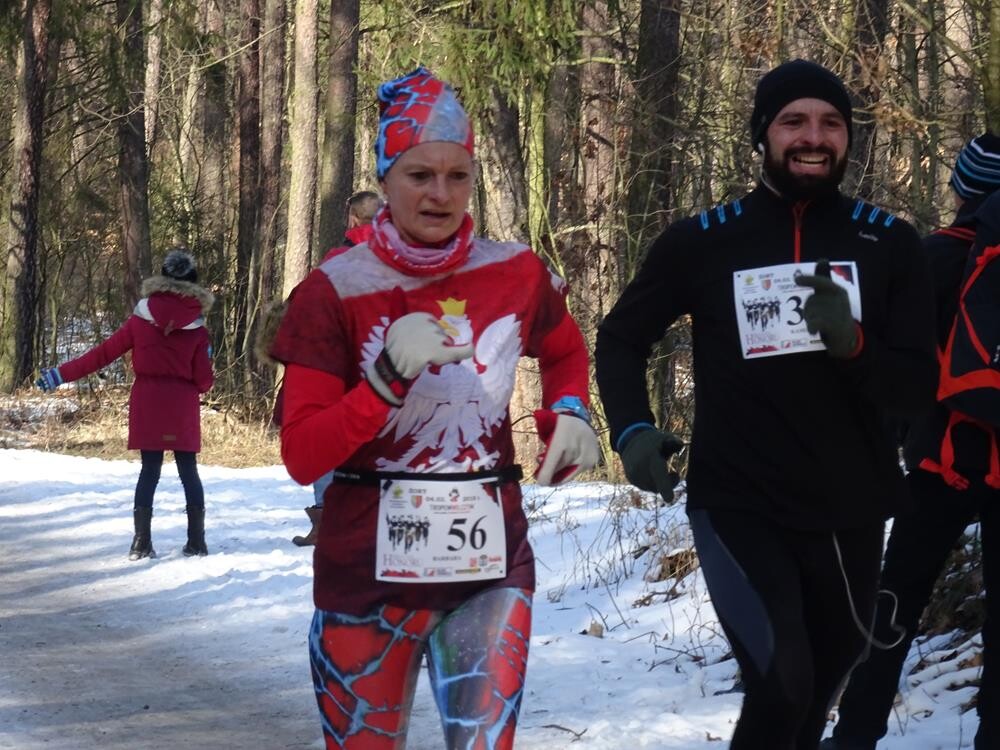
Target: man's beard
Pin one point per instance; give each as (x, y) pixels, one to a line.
(803, 187)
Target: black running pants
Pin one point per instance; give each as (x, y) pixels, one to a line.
(792, 604)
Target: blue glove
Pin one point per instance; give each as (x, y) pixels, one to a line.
(50, 380)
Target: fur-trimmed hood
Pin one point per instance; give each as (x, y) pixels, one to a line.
(171, 304)
(155, 284)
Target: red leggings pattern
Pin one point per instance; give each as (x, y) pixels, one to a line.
(365, 671)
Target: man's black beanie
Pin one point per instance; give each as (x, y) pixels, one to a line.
(797, 79)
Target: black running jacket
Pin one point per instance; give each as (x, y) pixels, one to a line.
(802, 438)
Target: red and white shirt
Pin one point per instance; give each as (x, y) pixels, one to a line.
(504, 301)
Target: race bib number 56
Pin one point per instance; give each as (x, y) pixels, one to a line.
(436, 531)
(769, 307)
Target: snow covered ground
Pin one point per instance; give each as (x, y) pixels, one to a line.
(175, 652)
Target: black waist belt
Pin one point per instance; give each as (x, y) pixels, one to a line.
(375, 478)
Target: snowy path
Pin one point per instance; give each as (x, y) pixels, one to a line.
(97, 652)
(96, 656)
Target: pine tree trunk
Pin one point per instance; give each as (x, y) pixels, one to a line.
(503, 169)
(337, 180)
(18, 306)
(272, 137)
(133, 166)
(154, 46)
(248, 108)
(870, 30)
(593, 270)
(560, 159)
(212, 177)
(656, 75)
(302, 134)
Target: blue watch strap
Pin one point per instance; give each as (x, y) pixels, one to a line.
(572, 405)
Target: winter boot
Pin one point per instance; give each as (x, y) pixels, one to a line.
(142, 542)
(196, 532)
(315, 513)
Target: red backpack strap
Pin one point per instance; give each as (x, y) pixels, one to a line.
(963, 233)
(988, 255)
(993, 478)
(946, 467)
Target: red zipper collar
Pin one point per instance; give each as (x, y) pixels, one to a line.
(798, 211)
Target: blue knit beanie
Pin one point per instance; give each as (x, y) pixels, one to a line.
(977, 170)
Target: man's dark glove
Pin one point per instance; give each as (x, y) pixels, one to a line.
(645, 456)
(828, 312)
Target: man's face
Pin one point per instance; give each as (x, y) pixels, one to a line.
(805, 149)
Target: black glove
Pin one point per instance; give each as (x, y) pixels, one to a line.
(828, 311)
(645, 456)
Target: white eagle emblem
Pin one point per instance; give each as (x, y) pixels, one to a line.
(451, 411)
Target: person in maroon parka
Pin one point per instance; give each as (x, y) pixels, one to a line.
(171, 357)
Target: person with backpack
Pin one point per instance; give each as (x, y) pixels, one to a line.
(400, 362)
(792, 470)
(171, 357)
(954, 477)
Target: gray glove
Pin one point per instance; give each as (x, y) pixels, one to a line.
(411, 343)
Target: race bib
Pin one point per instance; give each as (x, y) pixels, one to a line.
(439, 531)
(769, 307)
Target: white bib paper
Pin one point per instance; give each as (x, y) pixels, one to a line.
(769, 306)
(438, 531)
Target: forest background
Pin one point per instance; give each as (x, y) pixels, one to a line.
(239, 128)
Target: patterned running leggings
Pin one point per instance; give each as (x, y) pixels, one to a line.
(365, 671)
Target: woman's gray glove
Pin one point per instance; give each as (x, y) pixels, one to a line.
(411, 343)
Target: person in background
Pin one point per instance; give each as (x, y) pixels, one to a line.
(400, 360)
(953, 477)
(361, 210)
(792, 471)
(171, 358)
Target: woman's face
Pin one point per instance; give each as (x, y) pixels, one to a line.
(428, 190)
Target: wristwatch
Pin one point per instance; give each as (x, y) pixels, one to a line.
(571, 405)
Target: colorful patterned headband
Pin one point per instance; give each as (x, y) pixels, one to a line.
(417, 108)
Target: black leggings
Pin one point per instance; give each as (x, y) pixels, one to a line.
(782, 599)
(149, 477)
(918, 549)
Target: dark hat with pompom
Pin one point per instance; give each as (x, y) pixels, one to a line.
(179, 264)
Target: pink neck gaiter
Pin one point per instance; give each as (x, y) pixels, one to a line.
(415, 260)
